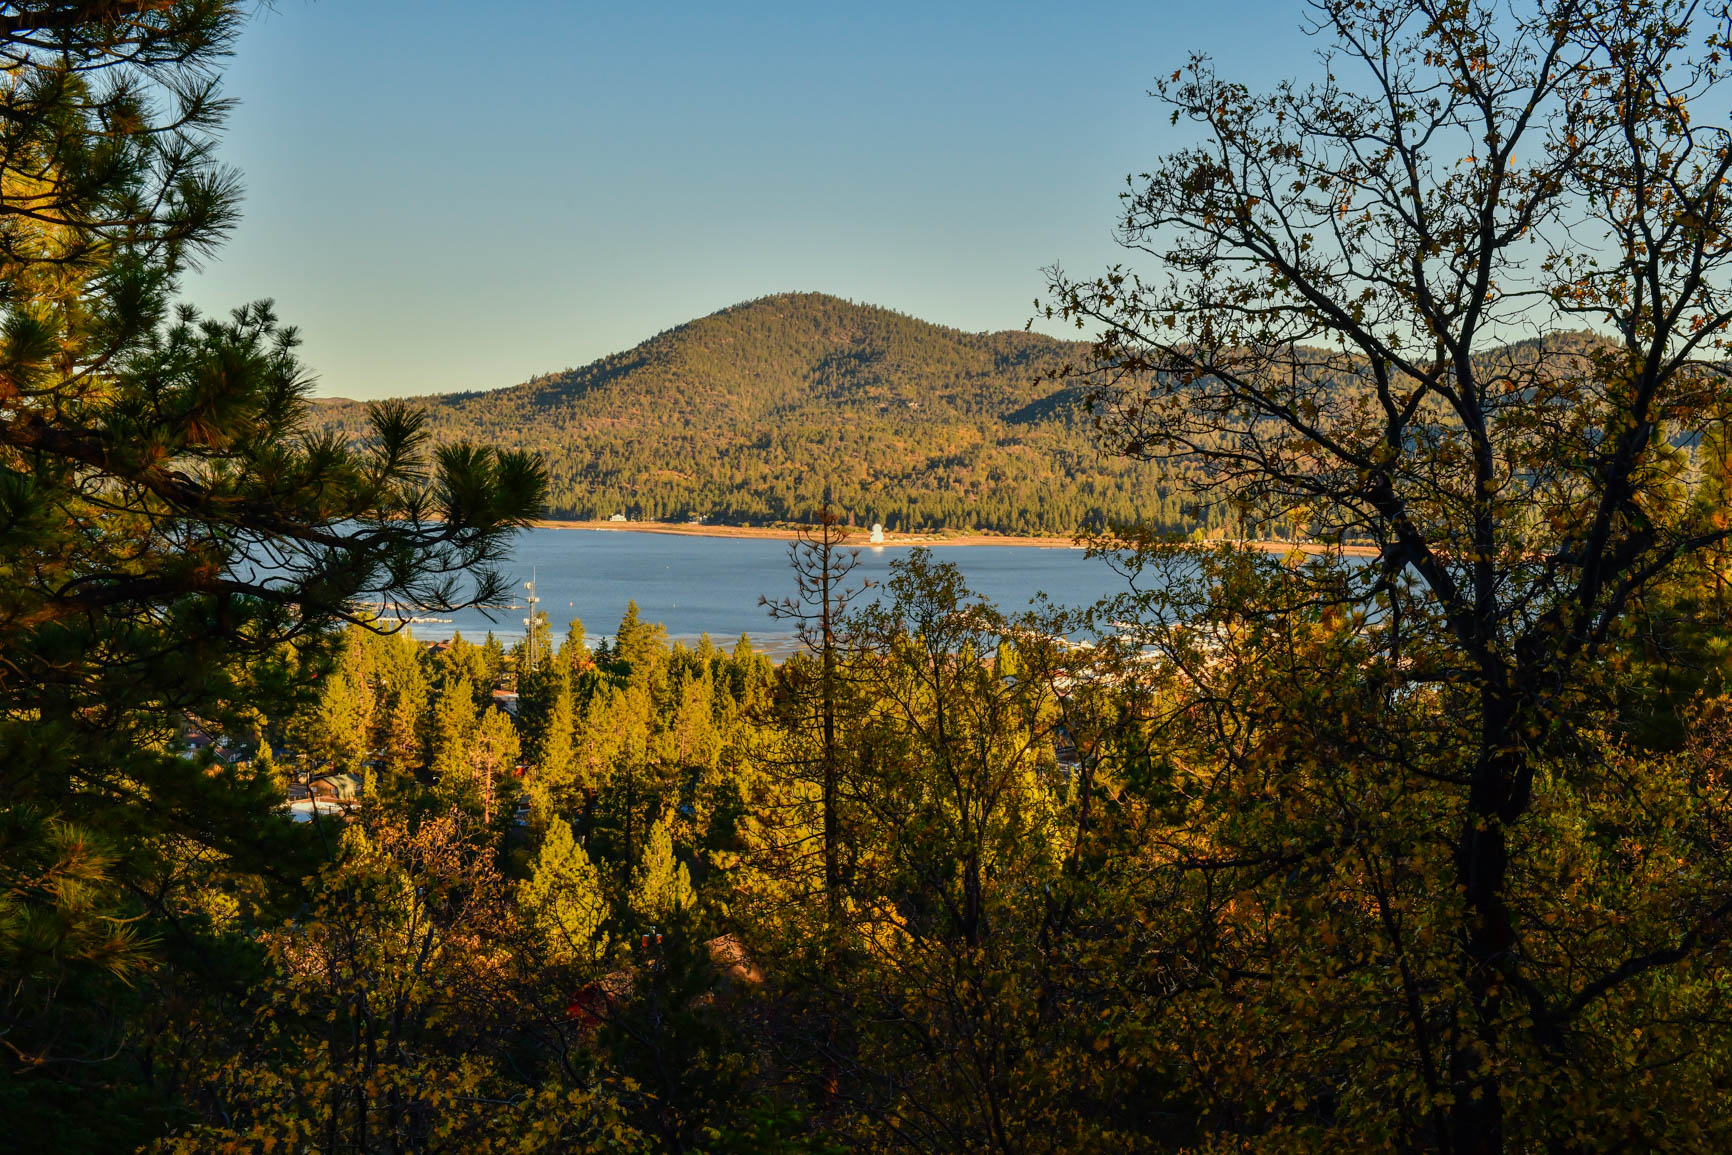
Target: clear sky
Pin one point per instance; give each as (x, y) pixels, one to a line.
(449, 195)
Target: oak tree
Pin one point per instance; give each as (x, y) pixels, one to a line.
(1464, 300)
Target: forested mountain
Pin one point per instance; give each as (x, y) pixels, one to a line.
(746, 416)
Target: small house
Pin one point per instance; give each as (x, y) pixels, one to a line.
(339, 787)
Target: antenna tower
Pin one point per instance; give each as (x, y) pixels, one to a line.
(530, 603)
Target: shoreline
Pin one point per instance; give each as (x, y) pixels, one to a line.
(857, 537)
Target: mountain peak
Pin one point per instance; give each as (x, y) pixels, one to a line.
(752, 413)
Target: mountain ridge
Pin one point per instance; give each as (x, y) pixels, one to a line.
(750, 414)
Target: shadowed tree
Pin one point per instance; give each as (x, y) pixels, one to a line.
(1465, 298)
(175, 542)
(817, 608)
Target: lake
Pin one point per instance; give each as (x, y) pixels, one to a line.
(698, 585)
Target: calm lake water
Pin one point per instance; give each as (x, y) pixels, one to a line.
(699, 585)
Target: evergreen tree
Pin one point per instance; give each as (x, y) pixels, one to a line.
(574, 651)
(174, 542)
(548, 720)
(452, 738)
(690, 739)
(817, 609)
(493, 664)
(661, 886)
(638, 644)
(339, 729)
(563, 900)
(403, 698)
(493, 761)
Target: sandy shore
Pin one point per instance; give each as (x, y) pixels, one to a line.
(858, 537)
(773, 533)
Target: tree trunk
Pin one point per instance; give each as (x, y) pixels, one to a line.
(1497, 797)
(832, 826)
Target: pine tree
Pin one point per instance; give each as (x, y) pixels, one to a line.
(338, 731)
(163, 514)
(574, 651)
(638, 643)
(662, 885)
(403, 695)
(546, 715)
(493, 760)
(455, 720)
(821, 565)
(174, 543)
(563, 898)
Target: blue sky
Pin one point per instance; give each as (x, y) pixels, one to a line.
(457, 196)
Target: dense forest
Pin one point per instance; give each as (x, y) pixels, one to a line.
(944, 882)
(751, 415)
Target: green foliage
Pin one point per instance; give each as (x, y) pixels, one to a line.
(661, 884)
(638, 644)
(954, 826)
(1223, 886)
(574, 650)
(1300, 798)
(378, 1025)
(1297, 854)
(547, 716)
(771, 1129)
(452, 740)
(563, 898)
(57, 908)
(1440, 752)
(763, 412)
(175, 544)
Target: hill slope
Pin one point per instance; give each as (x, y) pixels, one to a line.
(745, 416)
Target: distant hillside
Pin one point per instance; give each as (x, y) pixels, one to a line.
(745, 416)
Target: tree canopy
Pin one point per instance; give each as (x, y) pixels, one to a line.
(1329, 332)
(176, 540)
